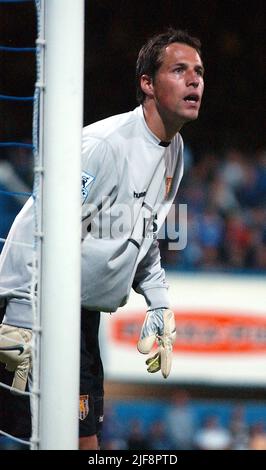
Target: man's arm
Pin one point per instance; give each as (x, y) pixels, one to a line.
(150, 279)
(99, 170)
(99, 180)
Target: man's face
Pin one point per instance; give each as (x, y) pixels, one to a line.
(178, 84)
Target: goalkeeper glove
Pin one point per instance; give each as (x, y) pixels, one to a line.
(15, 352)
(159, 326)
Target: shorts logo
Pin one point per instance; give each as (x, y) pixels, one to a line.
(83, 407)
(86, 181)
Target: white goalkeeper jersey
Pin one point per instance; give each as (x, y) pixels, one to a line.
(129, 181)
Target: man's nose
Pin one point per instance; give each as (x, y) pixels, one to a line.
(192, 79)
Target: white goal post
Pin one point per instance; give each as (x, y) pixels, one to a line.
(61, 224)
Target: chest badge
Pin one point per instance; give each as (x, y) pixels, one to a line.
(168, 184)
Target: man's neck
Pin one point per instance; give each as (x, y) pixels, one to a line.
(163, 129)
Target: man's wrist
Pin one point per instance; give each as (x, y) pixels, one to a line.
(156, 297)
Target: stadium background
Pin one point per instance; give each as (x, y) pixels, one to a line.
(224, 184)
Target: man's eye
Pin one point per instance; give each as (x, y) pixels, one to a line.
(179, 69)
(199, 72)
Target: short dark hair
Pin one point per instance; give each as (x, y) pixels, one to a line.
(151, 54)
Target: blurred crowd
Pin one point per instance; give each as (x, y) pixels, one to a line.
(16, 180)
(226, 213)
(183, 425)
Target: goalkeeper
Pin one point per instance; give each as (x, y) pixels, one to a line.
(132, 164)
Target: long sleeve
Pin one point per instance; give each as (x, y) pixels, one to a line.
(99, 182)
(150, 279)
(99, 170)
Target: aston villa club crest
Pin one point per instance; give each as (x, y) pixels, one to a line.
(83, 406)
(168, 184)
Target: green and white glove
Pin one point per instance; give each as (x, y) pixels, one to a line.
(15, 352)
(159, 327)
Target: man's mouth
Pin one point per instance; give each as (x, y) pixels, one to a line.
(192, 98)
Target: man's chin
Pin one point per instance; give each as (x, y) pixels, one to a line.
(191, 116)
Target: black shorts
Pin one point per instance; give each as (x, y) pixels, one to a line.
(91, 376)
(15, 415)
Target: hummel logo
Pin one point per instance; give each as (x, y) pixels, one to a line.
(139, 195)
(13, 348)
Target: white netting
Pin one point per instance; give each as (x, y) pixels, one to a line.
(38, 171)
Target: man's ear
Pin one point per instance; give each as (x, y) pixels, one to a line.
(146, 84)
